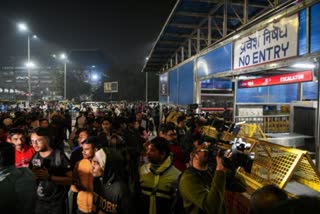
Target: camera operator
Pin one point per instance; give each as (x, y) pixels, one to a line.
(203, 184)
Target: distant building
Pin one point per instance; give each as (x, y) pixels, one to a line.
(47, 81)
(14, 82)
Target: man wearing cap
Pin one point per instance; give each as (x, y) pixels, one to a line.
(82, 176)
(52, 171)
(23, 152)
(157, 178)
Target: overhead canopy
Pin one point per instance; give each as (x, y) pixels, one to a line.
(196, 24)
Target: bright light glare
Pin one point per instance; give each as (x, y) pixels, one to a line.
(236, 36)
(304, 65)
(54, 56)
(147, 58)
(34, 37)
(93, 66)
(202, 65)
(30, 64)
(22, 27)
(95, 77)
(63, 56)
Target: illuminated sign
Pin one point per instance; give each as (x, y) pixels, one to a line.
(303, 76)
(164, 84)
(276, 41)
(110, 87)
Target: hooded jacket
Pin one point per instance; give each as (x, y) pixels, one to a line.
(157, 185)
(111, 192)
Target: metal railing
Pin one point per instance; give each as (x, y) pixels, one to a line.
(268, 123)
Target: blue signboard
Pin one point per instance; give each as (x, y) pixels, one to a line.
(215, 61)
(216, 84)
(283, 93)
(186, 84)
(302, 33)
(173, 87)
(268, 94)
(310, 90)
(315, 28)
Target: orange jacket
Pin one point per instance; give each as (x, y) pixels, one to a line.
(83, 185)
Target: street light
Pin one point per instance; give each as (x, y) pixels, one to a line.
(29, 66)
(64, 58)
(23, 27)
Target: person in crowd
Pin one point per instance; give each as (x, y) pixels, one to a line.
(44, 123)
(81, 120)
(5, 126)
(34, 121)
(181, 129)
(57, 127)
(265, 198)
(179, 160)
(23, 151)
(201, 191)
(142, 124)
(111, 190)
(134, 143)
(105, 131)
(68, 124)
(157, 178)
(133, 135)
(52, 171)
(156, 117)
(76, 154)
(17, 185)
(82, 177)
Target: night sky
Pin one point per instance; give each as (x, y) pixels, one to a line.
(124, 30)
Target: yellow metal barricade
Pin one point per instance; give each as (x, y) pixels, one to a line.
(209, 131)
(273, 164)
(251, 130)
(278, 165)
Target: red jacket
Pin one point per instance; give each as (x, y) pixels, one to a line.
(178, 156)
(23, 158)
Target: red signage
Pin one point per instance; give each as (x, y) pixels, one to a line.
(302, 76)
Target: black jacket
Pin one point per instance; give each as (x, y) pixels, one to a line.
(111, 192)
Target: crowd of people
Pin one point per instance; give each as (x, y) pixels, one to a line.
(123, 160)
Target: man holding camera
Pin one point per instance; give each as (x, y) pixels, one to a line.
(203, 192)
(203, 185)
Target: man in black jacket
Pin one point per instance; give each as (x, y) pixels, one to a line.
(52, 170)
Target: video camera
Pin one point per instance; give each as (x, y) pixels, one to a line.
(238, 157)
